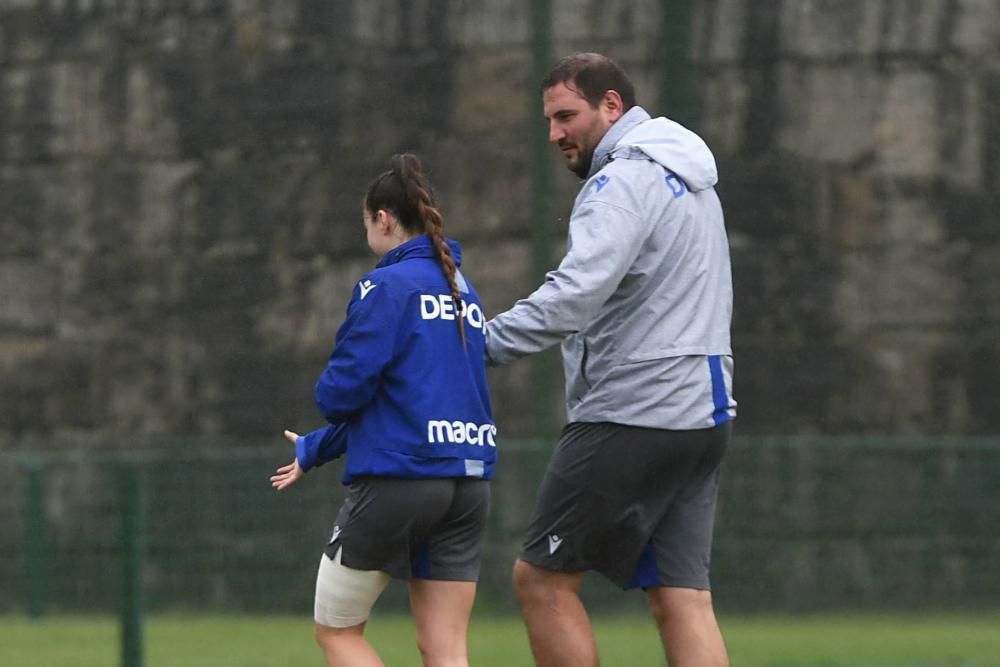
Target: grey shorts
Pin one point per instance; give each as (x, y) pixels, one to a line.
(413, 528)
(635, 504)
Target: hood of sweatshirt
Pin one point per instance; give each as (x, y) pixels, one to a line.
(661, 140)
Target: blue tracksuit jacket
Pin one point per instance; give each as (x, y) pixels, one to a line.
(403, 395)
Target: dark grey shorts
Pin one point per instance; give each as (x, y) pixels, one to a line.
(635, 504)
(413, 528)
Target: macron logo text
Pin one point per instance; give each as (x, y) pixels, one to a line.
(441, 430)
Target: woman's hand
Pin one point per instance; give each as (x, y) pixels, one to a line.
(287, 475)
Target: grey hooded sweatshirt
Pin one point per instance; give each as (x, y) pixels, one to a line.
(642, 301)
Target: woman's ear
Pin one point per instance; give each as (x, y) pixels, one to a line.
(383, 221)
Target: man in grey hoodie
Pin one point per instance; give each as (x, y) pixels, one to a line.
(642, 303)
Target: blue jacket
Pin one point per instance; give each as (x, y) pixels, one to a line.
(403, 395)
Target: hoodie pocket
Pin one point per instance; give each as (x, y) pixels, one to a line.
(579, 383)
(584, 357)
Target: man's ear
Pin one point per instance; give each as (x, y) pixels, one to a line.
(612, 105)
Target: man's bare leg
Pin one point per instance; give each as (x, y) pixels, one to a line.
(558, 626)
(688, 627)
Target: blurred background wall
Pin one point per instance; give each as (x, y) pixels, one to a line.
(180, 186)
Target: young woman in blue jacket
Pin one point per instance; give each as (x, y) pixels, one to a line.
(405, 396)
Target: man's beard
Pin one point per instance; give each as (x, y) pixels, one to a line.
(582, 167)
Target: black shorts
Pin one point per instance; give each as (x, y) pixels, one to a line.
(413, 528)
(635, 504)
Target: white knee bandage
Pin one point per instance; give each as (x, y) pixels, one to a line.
(344, 597)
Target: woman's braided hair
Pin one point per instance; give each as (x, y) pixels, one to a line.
(404, 191)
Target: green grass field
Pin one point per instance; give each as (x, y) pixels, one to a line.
(256, 641)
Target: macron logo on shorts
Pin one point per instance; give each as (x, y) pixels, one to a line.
(554, 543)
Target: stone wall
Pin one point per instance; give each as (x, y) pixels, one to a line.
(859, 145)
(180, 185)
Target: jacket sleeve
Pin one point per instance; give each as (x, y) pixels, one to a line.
(604, 241)
(365, 345)
(321, 446)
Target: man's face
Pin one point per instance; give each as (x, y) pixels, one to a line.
(575, 126)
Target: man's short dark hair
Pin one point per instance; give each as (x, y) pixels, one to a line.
(592, 75)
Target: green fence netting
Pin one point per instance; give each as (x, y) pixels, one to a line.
(803, 525)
